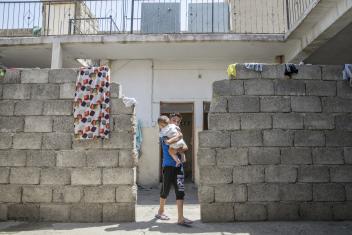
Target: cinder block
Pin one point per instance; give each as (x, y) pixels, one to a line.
(344, 122)
(332, 72)
(243, 104)
(296, 156)
(315, 211)
(10, 193)
(123, 122)
(287, 121)
(336, 105)
(63, 124)
(328, 192)
(45, 92)
(259, 156)
(341, 174)
(321, 88)
(206, 157)
(34, 76)
(309, 138)
(206, 194)
(102, 194)
(344, 90)
(11, 124)
(256, 121)
(58, 107)
(126, 193)
(342, 211)
(119, 212)
(248, 174)
(231, 157)
(259, 87)
(128, 158)
(4, 175)
(7, 107)
(118, 107)
(3, 212)
(329, 156)
(24, 212)
(263, 192)
(102, 158)
(54, 212)
(243, 73)
(38, 124)
(214, 139)
(306, 104)
(228, 88)
(246, 138)
(67, 194)
(55, 176)
(16, 91)
(217, 212)
(32, 107)
(319, 121)
(215, 175)
(86, 176)
(224, 121)
(313, 174)
(218, 105)
(283, 212)
(86, 213)
(280, 174)
(12, 158)
(276, 104)
(87, 144)
(115, 90)
(70, 158)
(57, 141)
(41, 158)
(67, 90)
(290, 87)
(339, 138)
(231, 193)
(296, 192)
(62, 75)
(250, 212)
(273, 71)
(119, 176)
(308, 72)
(118, 140)
(5, 140)
(37, 194)
(278, 138)
(24, 175)
(347, 155)
(11, 76)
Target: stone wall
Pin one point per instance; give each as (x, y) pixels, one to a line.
(278, 148)
(47, 175)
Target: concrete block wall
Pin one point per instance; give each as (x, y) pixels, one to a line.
(47, 175)
(278, 148)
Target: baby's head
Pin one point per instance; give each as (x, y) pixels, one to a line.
(163, 121)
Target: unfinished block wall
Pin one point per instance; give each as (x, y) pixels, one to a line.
(278, 148)
(47, 175)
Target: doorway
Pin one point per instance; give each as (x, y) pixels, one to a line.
(187, 128)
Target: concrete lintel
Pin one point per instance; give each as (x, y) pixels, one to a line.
(56, 56)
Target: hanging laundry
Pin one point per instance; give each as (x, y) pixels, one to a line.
(92, 103)
(347, 72)
(231, 71)
(139, 138)
(290, 69)
(254, 66)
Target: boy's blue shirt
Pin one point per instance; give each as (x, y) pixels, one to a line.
(167, 159)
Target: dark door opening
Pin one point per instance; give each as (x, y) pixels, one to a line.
(187, 128)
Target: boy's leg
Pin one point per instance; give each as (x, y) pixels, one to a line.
(167, 178)
(173, 153)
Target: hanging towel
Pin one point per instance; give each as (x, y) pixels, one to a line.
(254, 66)
(347, 72)
(290, 69)
(92, 103)
(139, 138)
(231, 71)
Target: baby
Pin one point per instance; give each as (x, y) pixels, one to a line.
(171, 130)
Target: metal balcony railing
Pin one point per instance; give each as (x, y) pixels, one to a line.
(89, 17)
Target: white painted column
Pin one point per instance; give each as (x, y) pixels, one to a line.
(56, 56)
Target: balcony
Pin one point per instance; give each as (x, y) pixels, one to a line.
(107, 17)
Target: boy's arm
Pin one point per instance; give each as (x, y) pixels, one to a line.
(174, 139)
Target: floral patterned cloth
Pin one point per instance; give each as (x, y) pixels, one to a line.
(92, 103)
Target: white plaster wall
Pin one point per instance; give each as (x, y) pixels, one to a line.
(152, 82)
